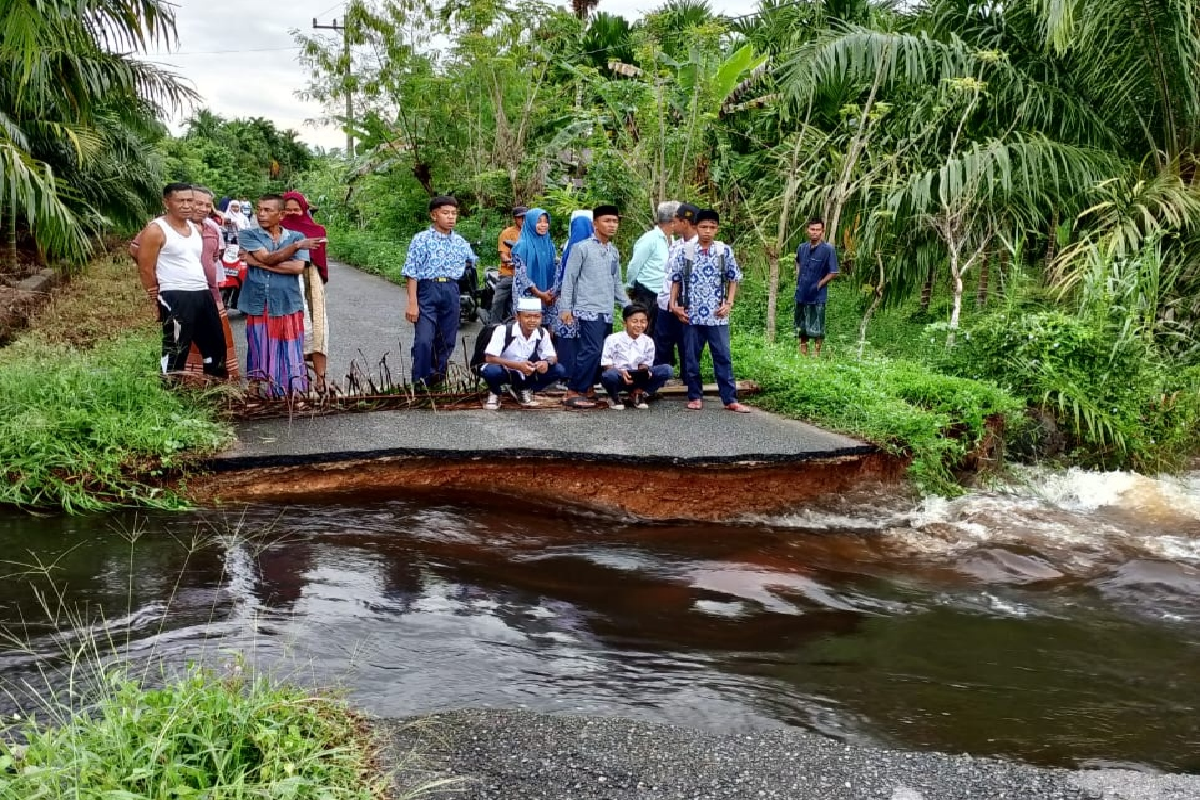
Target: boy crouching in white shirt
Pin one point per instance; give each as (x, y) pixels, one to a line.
(628, 362)
(521, 355)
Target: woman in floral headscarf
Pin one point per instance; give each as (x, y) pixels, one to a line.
(535, 262)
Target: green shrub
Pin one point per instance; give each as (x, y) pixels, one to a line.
(201, 735)
(1118, 401)
(81, 430)
(900, 405)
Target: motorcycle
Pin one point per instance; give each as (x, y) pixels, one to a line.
(475, 302)
(233, 275)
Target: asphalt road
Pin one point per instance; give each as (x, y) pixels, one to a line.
(515, 755)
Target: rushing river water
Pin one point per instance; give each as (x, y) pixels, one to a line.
(1058, 624)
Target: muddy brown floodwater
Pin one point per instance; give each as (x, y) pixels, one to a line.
(1058, 626)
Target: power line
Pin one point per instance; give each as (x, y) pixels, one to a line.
(224, 52)
(345, 31)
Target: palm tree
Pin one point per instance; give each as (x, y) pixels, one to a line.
(65, 75)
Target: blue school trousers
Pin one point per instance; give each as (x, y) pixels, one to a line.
(648, 381)
(497, 375)
(695, 337)
(587, 354)
(436, 328)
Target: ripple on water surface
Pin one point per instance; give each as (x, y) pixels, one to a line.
(1058, 625)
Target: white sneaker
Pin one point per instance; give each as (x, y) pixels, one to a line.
(493, 402)
(526, 398)
(616, 405)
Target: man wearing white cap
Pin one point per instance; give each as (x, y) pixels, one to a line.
(521, 355)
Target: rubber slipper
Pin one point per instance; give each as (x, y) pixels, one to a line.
(578, 402)
(738, 407)
(695, 405)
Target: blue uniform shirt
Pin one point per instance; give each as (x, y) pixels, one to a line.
(812, 265)
(708, 281)
(437, 255)
(279, 294)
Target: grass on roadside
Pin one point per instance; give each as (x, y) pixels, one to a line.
(87, 430)
(104, 299)
(201, 735)
(901, 405)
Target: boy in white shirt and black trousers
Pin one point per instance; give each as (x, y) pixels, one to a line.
(627, 362)
(521, 355)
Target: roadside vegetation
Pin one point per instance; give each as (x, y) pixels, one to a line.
(202, 734)
(86, 422)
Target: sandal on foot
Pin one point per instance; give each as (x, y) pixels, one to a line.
(578, 401)
(738, 407)
(695, 405)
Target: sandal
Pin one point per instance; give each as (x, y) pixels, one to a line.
(695, 405)
(578, 401)
(738, 407)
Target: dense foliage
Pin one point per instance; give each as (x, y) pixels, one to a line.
(78, 120)
(241, 158)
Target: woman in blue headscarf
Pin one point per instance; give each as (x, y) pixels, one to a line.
(566, 336)
(535, 261)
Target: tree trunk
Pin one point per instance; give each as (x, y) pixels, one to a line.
(927, 289)
(12, 230)
(1003, 267)
(772, 289)
(956, 309)
(875, 303)
(981, 291)
(1052, 241)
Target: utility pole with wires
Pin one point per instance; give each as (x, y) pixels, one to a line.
(345, 29)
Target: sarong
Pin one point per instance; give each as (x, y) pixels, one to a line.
(275, 353)
(194, 368)
(316, 319)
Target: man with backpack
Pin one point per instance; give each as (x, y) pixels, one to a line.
(520, 355)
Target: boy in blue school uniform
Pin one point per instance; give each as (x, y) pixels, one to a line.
(436, 260)
(704, 281)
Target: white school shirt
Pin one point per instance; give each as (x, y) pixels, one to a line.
(520, 349)
(624, 352)
(179, 268)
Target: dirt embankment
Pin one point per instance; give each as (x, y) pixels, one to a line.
(19, 303)
(648, 490)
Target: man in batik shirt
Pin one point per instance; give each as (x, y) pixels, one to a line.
(704, 281)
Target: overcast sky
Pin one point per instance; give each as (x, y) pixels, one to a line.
(239, 55)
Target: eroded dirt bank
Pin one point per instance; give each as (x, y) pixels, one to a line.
(647, 490)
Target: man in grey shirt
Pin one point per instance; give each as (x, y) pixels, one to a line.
(591, 287)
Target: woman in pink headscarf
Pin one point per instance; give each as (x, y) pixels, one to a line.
(297, 217)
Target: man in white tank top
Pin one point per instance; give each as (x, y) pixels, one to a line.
(172, 273)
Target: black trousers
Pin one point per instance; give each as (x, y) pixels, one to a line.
(187, 318)
(643, 296)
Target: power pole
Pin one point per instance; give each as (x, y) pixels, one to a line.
(345, 29)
